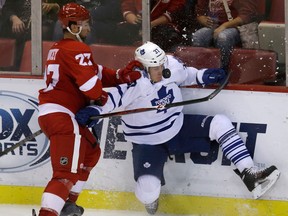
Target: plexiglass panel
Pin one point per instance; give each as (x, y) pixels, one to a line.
(184, 28)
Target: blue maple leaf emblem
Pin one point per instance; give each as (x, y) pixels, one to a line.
(164, 98)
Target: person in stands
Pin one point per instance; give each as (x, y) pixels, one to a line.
(218, 30)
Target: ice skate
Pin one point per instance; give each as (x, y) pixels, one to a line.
(71, 209)
(259, 181)
(152, 207)
(34, 212)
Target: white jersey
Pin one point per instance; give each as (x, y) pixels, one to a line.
(156, 126)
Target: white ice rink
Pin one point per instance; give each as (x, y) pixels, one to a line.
(26, 210)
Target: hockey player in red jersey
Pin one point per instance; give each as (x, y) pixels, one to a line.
(73, 81)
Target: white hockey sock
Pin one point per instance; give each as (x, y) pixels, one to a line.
(77, 188)
(233, 147)
(52, 201)
(147, 189)
(235, 150)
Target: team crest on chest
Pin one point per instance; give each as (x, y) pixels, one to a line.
(164, 98)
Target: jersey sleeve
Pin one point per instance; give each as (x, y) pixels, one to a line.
(107, 76)
(180, 73)
(191, 76)
(122, 96)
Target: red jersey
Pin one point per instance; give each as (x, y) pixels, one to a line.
(72, 78)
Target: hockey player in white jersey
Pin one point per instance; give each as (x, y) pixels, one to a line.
(157, 134)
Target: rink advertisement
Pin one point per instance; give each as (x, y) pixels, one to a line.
(260, 118)
(18, 115)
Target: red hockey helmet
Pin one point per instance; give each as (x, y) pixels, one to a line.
(73, 12)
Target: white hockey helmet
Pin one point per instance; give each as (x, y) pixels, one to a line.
(150, 55)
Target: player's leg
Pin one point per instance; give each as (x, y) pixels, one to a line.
(193, 136)
(148, 164)
(92, 155)
(233, 147)
(66, 158)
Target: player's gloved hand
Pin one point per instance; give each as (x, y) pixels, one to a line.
(211, 76)
(83, 116)
(129, 74)
(102, 100)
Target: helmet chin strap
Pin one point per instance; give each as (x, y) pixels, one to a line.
(76, 34)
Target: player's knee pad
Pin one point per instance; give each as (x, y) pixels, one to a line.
(220, 124)
(147, 188)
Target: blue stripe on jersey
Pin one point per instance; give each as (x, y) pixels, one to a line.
(121, 94)
(112, 99)
(151, 125)
(149, 133)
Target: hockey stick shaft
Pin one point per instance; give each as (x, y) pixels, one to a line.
(181, 103)
(20, 143)
(126, 112)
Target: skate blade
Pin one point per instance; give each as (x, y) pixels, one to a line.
(262, 188)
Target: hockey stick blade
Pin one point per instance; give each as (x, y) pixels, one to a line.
(20, 143)
(181, 103)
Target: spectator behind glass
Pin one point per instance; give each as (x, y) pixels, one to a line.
(16, 18)
(105, 18)
(166, 17)
(2, 2)
(216, 30)
(108, 26)
(50, 9)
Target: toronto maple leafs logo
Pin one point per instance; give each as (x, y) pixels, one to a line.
(164, 98)
(146, 165)
(142, 51)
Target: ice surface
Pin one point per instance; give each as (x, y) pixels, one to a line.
(26, 210)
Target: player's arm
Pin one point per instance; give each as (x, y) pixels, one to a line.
(184, 75)
(118, 97)
(111, 77)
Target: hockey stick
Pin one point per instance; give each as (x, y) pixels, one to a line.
(20, 143)
(181, 103)
(126, 112)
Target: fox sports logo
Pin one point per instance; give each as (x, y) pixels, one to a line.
(18, 120)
